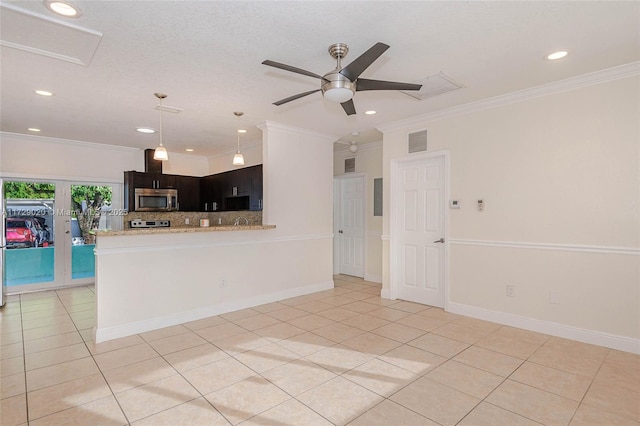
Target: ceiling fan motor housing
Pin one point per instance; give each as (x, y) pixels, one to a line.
(337, 88)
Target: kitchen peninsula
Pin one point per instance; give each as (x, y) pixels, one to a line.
(149, 279)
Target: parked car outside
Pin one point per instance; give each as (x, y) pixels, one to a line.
(20, 232)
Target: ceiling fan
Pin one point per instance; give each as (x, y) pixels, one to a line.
(340, 84)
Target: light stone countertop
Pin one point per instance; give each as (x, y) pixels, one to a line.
(183, 229)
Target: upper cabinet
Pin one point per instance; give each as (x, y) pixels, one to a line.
(234, 190)
(188, 193)
(256, 188)
(133, 180)
(239, 189)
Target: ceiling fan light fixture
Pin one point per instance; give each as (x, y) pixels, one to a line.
(338, 94)
(337, 88)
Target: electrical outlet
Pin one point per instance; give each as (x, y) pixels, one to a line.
(186, 221)
(223, 283)
(554, 298)
(511, 290)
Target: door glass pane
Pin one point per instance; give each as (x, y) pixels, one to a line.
(29, 233)
(91, 211)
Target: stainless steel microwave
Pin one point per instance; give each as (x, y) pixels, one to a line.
(156, 200)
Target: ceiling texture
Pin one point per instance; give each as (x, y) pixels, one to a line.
(105, 66)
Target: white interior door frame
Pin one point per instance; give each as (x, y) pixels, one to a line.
(337, 215)
(396, 211)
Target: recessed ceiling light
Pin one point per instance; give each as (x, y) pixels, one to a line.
(557, 55)
(33, 129)
(62, 8)
(189, 149)
(43, 93)
(371, 112)
(145, 130)
(242, 131)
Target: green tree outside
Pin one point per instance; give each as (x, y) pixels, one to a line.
(94, 197)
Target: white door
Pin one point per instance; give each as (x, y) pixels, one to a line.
(351, 227)
(419, 230)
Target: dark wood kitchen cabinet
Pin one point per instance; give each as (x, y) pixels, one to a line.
(150, 180)
(210, 193)
(133, 180)
(256, 188)
(239, 189)
(188, 193)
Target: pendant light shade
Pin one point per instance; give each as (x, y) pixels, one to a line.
(160, 152)
(238, 159)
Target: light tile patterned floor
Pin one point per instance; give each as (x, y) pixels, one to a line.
(342, 356)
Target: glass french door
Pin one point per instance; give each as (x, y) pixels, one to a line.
(29, 212)
(91, 211)
(50, 230)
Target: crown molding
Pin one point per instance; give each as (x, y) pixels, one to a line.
(272, 125)
(572, 83)
(20, 137)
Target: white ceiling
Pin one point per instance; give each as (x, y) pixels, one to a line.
(206, 56)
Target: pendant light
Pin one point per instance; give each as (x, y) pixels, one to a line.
(160, 152)
(238, 159)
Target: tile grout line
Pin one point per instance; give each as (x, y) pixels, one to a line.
(94, 361)
(24, 360)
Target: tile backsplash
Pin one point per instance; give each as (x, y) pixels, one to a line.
(179, 219)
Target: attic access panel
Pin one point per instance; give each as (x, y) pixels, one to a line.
(434, 85)
(46, 36)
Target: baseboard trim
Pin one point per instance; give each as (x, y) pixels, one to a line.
(612, 341)
(110, 333)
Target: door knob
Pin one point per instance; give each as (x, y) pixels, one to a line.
(441, 240)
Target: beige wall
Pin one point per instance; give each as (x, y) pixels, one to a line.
(186, 164)
(368, 161)
(560, 178)
(41, 157)
(252, 153)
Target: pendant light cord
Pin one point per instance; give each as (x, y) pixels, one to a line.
(161, 121)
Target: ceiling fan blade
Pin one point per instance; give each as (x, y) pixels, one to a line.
(355, 68)
(349, 107)
(294, 97)
(364, 84)
(290, 68)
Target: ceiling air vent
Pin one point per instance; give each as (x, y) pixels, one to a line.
(418, 141)
(434, 85)
(349, 165)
